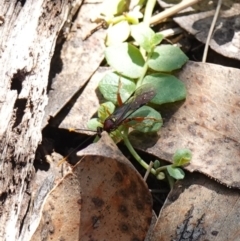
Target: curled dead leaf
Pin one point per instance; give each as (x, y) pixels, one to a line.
(103, 198)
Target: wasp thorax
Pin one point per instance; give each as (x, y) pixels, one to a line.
(109, 125)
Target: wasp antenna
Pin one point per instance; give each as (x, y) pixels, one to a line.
(86, 130)
(75, 149)
(72, 129)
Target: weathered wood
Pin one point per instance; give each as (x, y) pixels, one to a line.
(28, 31)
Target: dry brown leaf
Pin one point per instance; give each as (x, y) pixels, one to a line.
(121, 202)
(104, 198)
(197, 21)
(61, 212)
(86, 105)
(207, 123)
(199, 209)
(79, 60)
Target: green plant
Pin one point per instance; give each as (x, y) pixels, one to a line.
(145, 63)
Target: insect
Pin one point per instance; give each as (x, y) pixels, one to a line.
(140, 97)
(123, 113)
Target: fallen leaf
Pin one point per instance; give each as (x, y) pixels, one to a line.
(60, 215)
(199, 209)
(104, 198)
(197, 21)
(207, 123)
(76, 64)
(120, 203)
(86, 105)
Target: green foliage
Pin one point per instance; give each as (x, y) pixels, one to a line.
(93, 124)
(145, 36)
(160, 176)
(105, 110)
(166, 58)
(112, 84)
(170, 88)
(134, 66)
(125, 59)
(114, 7)
(118, 33)
(182, 157)
(151, 120)
(156, 164)
(175, 172)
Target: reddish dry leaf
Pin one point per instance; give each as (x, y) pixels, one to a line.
(104, 198)
(207, 123)
(197, 210)
(116, 203)
(61, 212)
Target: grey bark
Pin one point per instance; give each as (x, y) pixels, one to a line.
(28, 31)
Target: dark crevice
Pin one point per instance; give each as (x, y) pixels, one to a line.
(22, 2)
(3, 197)
(12, 161)
(17, 80)
(61, 141)
(24, 218)
(56, 64)
(56, 61)
(20, 106)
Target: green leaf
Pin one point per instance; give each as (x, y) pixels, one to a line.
(182, 157)
(126, 59)
(166, 58)
(118, 33)
(93, 124)
(146, 120)
(133, 16)
(175, 172)
(144, 36)
(116, 136)
(105, 110)
(112, 84)
(168, 87)
(114, 7)
(160, 176)
(138, 3)
(156, 164)
(157, 39)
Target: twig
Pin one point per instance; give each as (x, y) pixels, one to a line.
(211, 30)
(171, 11)
(171, 32)
(148, 171)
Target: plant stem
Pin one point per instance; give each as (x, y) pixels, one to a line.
(163, 168)
(144, 71)
(135, 155)
(116, 19)
(147, 17)
(148, 11)
(170, 181)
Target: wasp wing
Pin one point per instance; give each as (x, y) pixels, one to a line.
(141, 96)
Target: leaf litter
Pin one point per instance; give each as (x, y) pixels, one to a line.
(103, 197)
